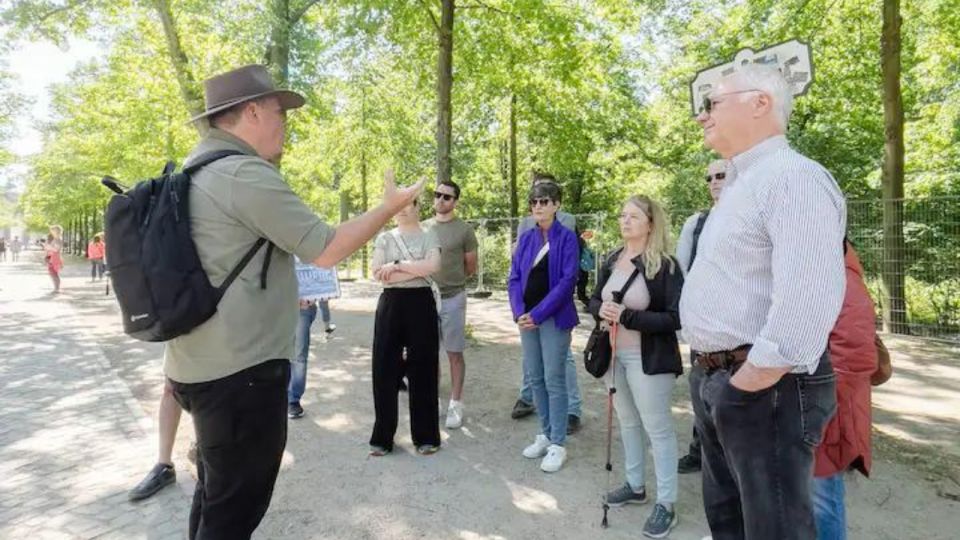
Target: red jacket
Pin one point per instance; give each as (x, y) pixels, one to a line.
(846, 440)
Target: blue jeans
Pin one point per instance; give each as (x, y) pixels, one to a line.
(298, 366)
(545, 350)
(324, 312)
(573, 389)
(829, 513)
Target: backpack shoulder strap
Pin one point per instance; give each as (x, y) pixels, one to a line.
(701, 221)
(242, 264)
(210, 157)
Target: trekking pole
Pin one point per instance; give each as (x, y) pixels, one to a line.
(613, 390)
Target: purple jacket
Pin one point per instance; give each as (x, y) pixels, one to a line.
(563, 265)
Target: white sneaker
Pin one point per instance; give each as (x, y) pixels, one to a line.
(454, 415)
(554, 459)
(538, 448)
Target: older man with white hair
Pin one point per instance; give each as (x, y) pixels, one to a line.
(758, 306)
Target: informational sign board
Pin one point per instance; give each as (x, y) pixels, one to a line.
(791, 57)
(317, 283)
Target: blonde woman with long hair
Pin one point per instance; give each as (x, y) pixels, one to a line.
(648, 358)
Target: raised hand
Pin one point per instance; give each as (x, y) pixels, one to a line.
(396, 199)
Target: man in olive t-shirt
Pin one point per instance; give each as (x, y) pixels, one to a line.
(231, 372)
(458, 260)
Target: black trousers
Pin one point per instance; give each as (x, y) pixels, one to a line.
(241, 428)
(406, 319)
(758, 450)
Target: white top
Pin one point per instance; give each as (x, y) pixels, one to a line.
(770, 266)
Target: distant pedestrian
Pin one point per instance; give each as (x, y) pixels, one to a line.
(15, 247)
(96, 251)
(3, 249)
(52, 248)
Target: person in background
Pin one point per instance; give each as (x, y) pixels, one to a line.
(96, 250)
(52, 248)
(846, 440)
(543, 273)
(648, 358)
(686, 254)
(458, 261)
(3, 249)
(403, 260)
(15, 247)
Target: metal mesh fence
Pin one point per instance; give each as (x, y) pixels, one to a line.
(911, 271)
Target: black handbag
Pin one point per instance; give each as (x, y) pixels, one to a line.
(598, 352)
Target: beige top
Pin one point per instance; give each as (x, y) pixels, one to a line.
(637, 297)
(420, 244)
(233, 202)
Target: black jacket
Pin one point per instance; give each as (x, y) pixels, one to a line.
(658, 324)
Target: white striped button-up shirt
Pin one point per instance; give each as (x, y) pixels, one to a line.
(769, 269)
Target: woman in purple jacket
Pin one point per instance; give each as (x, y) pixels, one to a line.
(543, 274)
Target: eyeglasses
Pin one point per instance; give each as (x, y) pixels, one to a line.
(445, 196)
(718, 176)
(709, 102)
(543, 201)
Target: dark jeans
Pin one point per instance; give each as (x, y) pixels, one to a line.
(758, 453)
(695, 377)
(406, 319)
(241, 427)
(582, 278)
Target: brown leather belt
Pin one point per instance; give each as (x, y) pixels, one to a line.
(722, 359)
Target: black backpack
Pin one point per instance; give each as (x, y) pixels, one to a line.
(160, 284)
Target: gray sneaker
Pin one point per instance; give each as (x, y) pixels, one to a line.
(625, 494)
(660, 522)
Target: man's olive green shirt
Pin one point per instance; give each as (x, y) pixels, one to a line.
(233, 202)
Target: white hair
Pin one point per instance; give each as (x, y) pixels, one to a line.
(770, 81)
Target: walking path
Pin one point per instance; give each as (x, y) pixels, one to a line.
(72, 438)
(77, 400)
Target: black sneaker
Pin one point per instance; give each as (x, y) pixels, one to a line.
(624, 495)
(573, 424)
(294, 410)
(522, 409)
(660, 522)
(160, 476)
(688, 464)
(330, 328)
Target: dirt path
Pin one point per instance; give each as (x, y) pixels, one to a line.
(479, 486)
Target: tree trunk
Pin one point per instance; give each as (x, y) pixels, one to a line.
(514, 199)
(894, 305)
(189, 88)
(444, 88)
(278, 52)
(364, 201)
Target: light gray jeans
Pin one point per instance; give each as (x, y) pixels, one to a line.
(643, 409)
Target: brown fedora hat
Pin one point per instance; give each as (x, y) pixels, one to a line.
(244, 84)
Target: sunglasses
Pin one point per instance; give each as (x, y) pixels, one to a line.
(543, 201)
(718, 176)
(709, 102)
(445, 196)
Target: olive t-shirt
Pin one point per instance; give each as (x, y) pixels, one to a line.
(456, 240)
(233, 202)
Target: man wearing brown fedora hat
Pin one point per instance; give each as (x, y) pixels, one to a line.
(231, 372)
